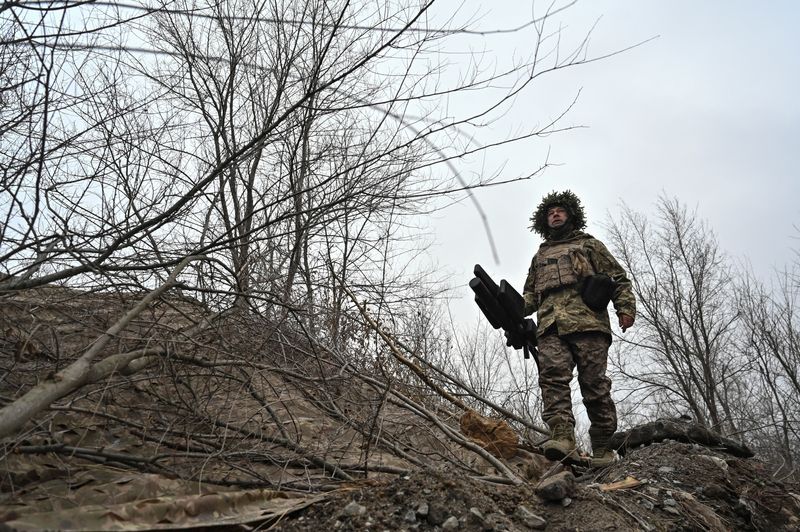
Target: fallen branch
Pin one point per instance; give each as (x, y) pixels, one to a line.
(100, 456)
(14, 416)
(399, 356)
(335, 470)
(396, 398)
(642, 523)
(475, 395)
(403, 401)
(678, 430)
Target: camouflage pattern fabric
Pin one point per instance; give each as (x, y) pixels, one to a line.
(564, 308)
(558, 356)
(570, 333)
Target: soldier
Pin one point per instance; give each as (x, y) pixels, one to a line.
(564, 279)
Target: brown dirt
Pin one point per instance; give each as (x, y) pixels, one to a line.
(683, 487)
(199, 430)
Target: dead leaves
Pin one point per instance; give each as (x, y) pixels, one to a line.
(496, 436)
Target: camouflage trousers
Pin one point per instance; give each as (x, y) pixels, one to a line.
(558, 356)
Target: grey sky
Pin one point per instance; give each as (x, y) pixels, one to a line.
(706, 112)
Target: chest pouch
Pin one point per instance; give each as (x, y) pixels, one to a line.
(555, 273)
(597, 291)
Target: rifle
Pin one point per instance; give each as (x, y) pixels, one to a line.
(503, 307)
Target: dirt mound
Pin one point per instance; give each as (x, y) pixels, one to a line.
(693, 487)
(664, 486)
(231, 422)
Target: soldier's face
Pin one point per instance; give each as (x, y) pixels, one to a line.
(556, 217)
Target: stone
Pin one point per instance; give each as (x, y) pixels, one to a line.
(498, 521)
(557, 487)
(530, 519)
(475, 517)
(354, 509)
(715, 491)
(422, 509)
(475, 520)
(666, 469)
(719, 462)
(536, 465)
(566, 501)
(451, 523)
(437, 514)
(410, 516)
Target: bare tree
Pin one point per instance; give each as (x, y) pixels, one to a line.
(683, 358)
(237, 172)
(771, 340)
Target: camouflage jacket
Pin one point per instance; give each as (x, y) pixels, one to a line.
(578, 256)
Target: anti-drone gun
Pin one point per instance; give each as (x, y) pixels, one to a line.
(504, 308)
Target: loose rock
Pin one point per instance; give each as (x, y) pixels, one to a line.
(652, 491)
(451, 523)
(557, 487)
(715, 491)
(529, 518)
(719, 462)
(354, 509)
(436, 514)
(497, 521)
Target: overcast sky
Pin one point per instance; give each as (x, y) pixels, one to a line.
(706, 112)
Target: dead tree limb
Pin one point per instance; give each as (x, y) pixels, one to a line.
(14, 416)
(390, 343)
(334, 469)
(394, 346)
(401, 400)
(475, 395)
(395, 398)
(678, 430)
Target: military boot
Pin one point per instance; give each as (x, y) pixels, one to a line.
(561, 443)
(602, 455)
